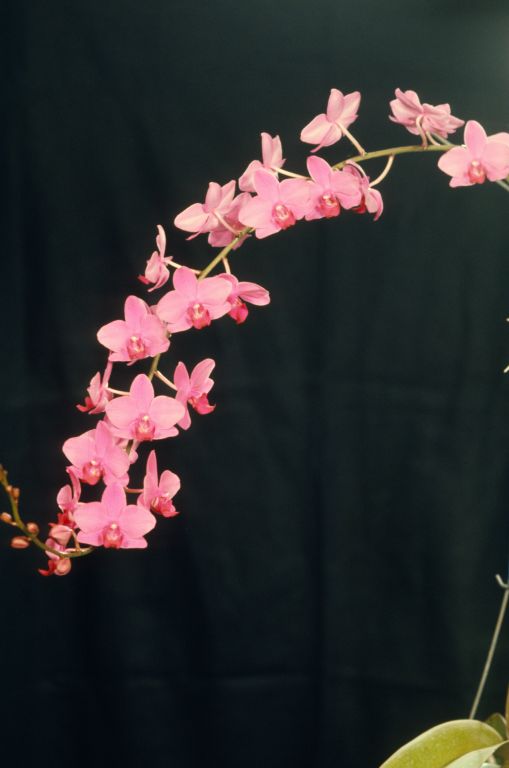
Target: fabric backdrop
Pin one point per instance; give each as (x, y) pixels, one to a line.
(327, 590)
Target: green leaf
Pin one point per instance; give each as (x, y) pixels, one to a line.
(474, 759)
(443, 744)
(498, 722)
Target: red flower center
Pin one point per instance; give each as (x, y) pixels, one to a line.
(328, 205)
(92, 472)
(136, 348)
(476, 173)
(198, 315)
(282, 216)
(144, 428)
(112, 536)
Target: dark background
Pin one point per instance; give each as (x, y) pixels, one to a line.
(327, 591)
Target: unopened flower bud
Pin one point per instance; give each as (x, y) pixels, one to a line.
(6, 517)
(33, 528)
(15, 493)
(20, 542)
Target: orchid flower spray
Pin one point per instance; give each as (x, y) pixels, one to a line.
(101, 505)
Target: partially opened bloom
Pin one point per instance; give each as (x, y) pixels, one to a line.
(193, 303)
(158, 492)
(95, 455)
(156, 271)
(140, 335)
(277, 205)
(193, 389)
(371, 199)
(68, 498)
(420, 118)
(483, 157)
(231, 226)
(242, 291)
(141, 416)
(112, 522)
(272, 159)
(331, 190)
(207, 216)
(329, 127)
(98, 395)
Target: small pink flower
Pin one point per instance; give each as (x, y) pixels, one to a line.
(95, 455)
(98, 395)
(193, 303)
(193, 389)
(278, 204)
(331, 190)
(417, 118)
(371, 199)
(68, 498)
(241, 292)
(157, 271)
(57, 566)
(140, 335)
(141, 416)
(113, 523)
(207, 216)
(329, 127)
(158, 493)
(483, 157)
(272, 159)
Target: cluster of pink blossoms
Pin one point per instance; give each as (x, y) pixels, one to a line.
(104, 456)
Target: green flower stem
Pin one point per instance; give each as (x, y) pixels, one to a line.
(405, 150)
(34, 539)
(491, 651)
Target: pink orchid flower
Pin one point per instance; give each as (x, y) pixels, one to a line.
(483, 157)
(231, 226)
(272, 159)
(57, 566)
(157, 271)
(207, 216)
(193, 389)
(240, 292)
(417, 118)
(331, 190)
(112, 522)
(193, 303)
(371, 199)
(329, 127)
(98, 395)
(68, 498)
(141, 416)
(158, 493)
(95, 455)
(278, 204)
(140, 335)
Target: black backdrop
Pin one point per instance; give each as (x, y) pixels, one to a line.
(327, 590)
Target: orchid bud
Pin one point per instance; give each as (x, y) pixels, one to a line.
(33, 528)
(6, 517)
(20, 542)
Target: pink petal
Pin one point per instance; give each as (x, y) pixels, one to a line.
(165, 411)
(80, 449)
(185, 282)
(272, 151)
(350, 108)
(113, 500)
(335, 105)
(253, 293)
(181, 377)
(319, 170)
(113, 335)
(142, 392)
(455, 162)
(135, 311)
(172, 306)
(475, 138)
(192, 219)
(212, 290)
(295, 194)
(135, 521)
(266, 185)
(495, 160)
(316, 130)
(169, 483)
(90, 517)
(199, 376)
(247, 178)
(257, 213)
